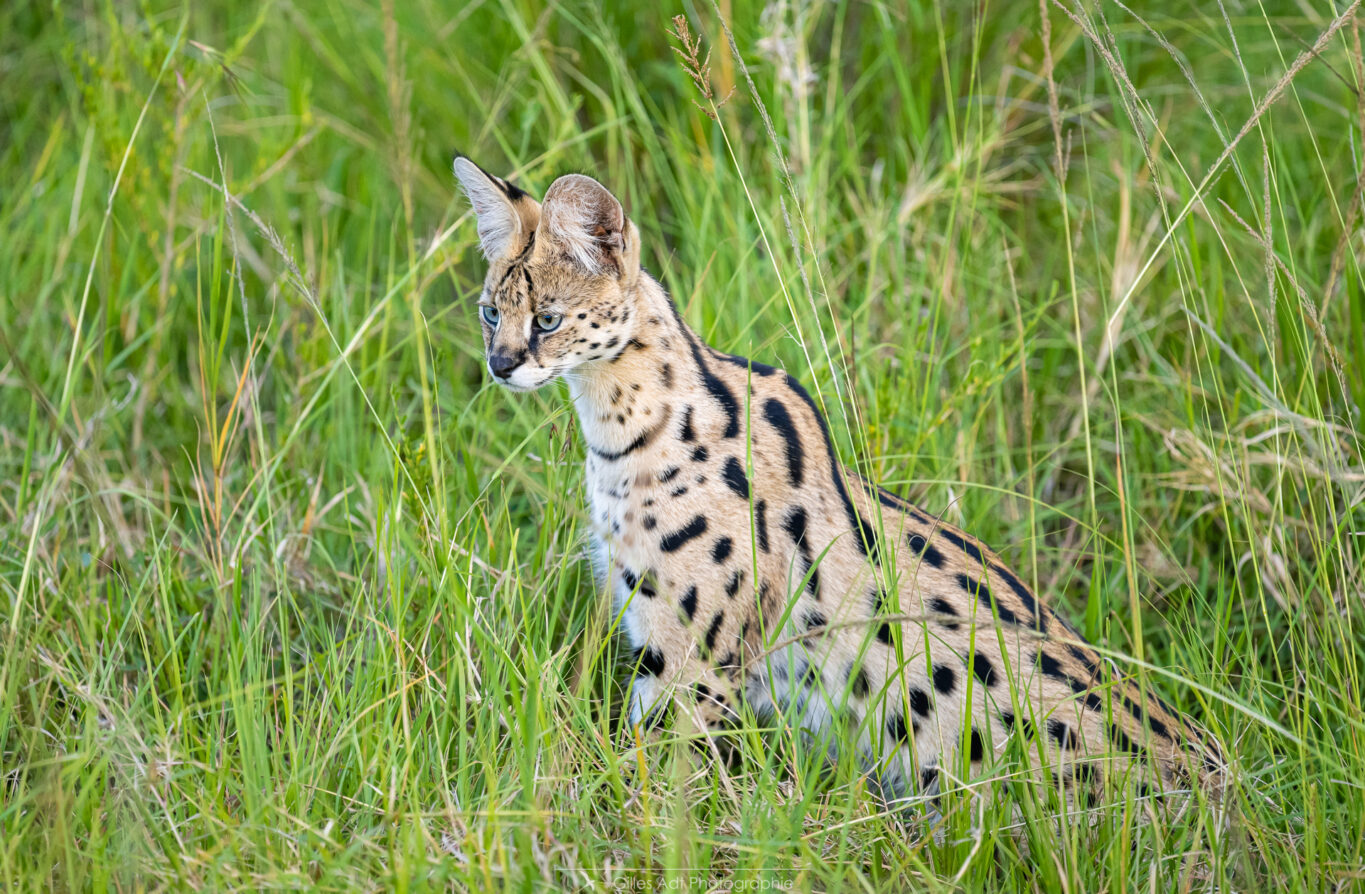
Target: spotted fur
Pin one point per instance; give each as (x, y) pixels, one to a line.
(748, 563)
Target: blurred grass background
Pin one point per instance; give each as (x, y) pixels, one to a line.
(289, 596)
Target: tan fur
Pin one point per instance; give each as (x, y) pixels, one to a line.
(747, 563)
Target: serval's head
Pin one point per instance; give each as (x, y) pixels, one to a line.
(561, 274)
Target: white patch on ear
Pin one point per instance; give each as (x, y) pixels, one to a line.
(498, 221)
(584, 219)
(571, 226)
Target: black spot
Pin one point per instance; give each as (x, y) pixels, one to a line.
(760, 369)
(814, 620)
(678, 491)
(718, 390)
(1051, 666)
(666, 375)
(809, 676)
(896, 729)
(687, 433)
(1025, 724)
(858, 686)
(1088, 660)
(878, 599)
(628, 578)
(734, 477)
(984, 670)
(865, 534)
(980, 591)
(1142, 717)
(675, 541)
(928, 778)
(776, 413)
(1063, 734)
(688, 603)
(978, 745)
(943, 607)
(795, 525)
(919, 701)
(650, 522)
(761, 523)
(732, 586)
(944, 679)
(710, 641)
(721, 551)
(1025, 597)
(613, 343)
(764, 589)
(726, 661)
(892, 501)
(644, 438)
(925, 551)
(652, 661)
(963, 544)
(699, 455)
(884, 634)
(668, 474)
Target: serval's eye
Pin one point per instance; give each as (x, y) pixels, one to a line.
(489, 314)
(549, 322)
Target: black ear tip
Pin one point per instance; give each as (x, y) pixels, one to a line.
(508, 189)
(511, 190)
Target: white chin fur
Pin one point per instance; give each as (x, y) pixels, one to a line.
(523, 379)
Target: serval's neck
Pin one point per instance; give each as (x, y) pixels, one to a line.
(630, 399)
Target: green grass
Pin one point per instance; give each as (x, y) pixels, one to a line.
(289, 595)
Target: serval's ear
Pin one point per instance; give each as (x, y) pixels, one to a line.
(495, 204)
(586, 222)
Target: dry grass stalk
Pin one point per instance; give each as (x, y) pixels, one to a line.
(1054, 109)
(697, 67)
